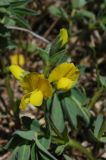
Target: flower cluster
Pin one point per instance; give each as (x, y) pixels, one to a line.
(36, 87)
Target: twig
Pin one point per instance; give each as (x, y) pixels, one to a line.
(51, 27)
(27, 30)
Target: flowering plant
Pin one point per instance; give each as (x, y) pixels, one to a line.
(65, 107)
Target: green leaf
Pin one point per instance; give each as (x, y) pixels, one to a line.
(44, 55)
(73, 105)
(98, 126)
(45, 141)
(9, 22)
(54, 11)
(103, 80)
(4, 2)
(81, 100)
(19, 2)
(43, 150)
(84, 13)
(15, 2)
(55, 48)
(57, 11)
(82, 69)
(78, 96)
(14, 154)
(57, 53)
(23, 152)
(57, 114)
(60, 149)
(78, 3)
(103, 139)
(29, 47)
(67, 157)
(35, 126)
(48, 48)
(58, 57)
(28, 135)
(20, 20)
(34, 152)
(44, 156)
(4, 12)
(70, 110)
(24, 11)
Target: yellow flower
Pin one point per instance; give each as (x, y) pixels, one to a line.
(17, 72)
(17, 59)
(65, 76)
(63, 36)
(36, 88)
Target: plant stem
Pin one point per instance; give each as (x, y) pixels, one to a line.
(10, 92)
(28, 31)
(46, 70)
(97, 94)
(78, 146)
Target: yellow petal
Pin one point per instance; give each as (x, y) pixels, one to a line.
(63, 70)
(45, 87)
(17, 72)
(24, 101)
(63, 36)
(36, 98)
(33, 81)
(17, 59)
(65, 84)
(30, 82)
(73, 74)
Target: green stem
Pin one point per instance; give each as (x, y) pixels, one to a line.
(10, 92)
(7, 83)
(57, 140)
(12, 102)
(96, 96)
(46, 70)
(74, 144)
